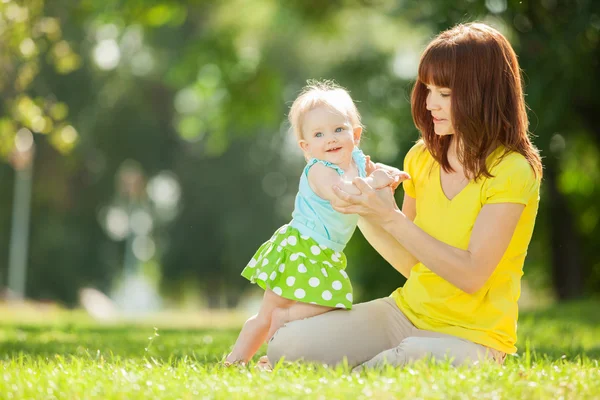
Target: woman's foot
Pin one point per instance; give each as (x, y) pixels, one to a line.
(263, 364)
(279, 317)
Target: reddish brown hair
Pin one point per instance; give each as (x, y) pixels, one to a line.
(480, 67)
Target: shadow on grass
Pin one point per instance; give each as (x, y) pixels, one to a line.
(569, 331)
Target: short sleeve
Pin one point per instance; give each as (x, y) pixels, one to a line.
(361, 161)
(514, 181)
(313, 161)
(411, 166)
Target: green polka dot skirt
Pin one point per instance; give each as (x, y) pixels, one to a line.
(298, 268)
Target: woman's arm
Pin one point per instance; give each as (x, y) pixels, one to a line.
(322, 178)
(467, 269)
(386, 245)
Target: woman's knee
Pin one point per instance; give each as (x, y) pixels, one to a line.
(282, 345)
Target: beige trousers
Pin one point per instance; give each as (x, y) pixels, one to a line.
(371, 334)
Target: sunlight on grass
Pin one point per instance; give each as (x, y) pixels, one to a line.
(75, 358)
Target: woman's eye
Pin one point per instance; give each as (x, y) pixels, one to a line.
(445, 94)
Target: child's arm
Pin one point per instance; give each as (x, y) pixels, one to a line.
(322, 179)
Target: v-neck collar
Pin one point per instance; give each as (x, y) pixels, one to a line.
(439, 177)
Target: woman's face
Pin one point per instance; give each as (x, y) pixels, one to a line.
(438, 103)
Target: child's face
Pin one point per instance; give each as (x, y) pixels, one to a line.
(328, 135)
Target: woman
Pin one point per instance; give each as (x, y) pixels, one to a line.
(464, 228)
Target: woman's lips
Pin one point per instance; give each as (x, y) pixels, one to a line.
(438, 121)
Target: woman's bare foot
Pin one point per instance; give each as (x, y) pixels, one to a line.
(263, 364)
(279, 317)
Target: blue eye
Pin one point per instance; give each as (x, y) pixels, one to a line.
(318, 134)
(339, 129)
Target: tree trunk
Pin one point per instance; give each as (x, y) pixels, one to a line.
(567, 270)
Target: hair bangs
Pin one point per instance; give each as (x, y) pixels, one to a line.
(438, 65)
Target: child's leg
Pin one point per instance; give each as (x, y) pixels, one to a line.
(254, 331)
(296, 312)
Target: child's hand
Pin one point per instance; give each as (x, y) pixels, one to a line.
(381, 178)
(395, 174)
(371, 166)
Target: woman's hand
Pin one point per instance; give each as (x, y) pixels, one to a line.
(378, 206)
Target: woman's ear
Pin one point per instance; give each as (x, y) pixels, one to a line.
(357, 133)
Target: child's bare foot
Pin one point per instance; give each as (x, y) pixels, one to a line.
(230, 360)
(279, 317)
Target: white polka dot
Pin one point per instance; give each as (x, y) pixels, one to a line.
(284, 242)
(315, 250)
(268, 251)
(279, 249)
(327, 295)
(301, 254)
(337, 254)
(349, 296)
(282, 268)
(334, 258)
(324, 272)
(290, 280)
(328, 264)
(263, 276)
(299, 293)
(265, 262)
(283, 229)
(344, 274)
(274, 275)
(304, 237)
(302, 269)
(277, 290)
(252, 263)
(314, 282)
(294, 257)
(340, 305)
(337, 285)
(312, 261)
(292, 240)
(322, 246)
(312, 302)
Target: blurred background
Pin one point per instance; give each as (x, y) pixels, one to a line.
(144, 147)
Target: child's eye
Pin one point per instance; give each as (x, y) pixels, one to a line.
(318, 134)
(339, 129)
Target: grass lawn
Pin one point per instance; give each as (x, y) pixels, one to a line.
(67, 356)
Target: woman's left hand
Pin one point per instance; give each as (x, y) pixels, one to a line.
(378, 206)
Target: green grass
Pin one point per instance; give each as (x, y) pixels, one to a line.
(68, 356)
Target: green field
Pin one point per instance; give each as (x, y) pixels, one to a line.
(65, 355)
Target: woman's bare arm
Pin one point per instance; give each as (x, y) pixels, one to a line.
(386, 245)
(467, 269)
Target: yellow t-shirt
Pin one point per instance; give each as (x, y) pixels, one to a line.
(488, 317)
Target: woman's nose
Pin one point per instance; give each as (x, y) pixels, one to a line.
(430, 104)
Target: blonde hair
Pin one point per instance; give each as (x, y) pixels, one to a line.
(322, 93)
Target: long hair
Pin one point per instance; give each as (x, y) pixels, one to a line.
(479, 66)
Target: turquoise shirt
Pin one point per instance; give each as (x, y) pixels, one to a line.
(314, 216)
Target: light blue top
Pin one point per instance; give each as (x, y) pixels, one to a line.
(314, 216)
